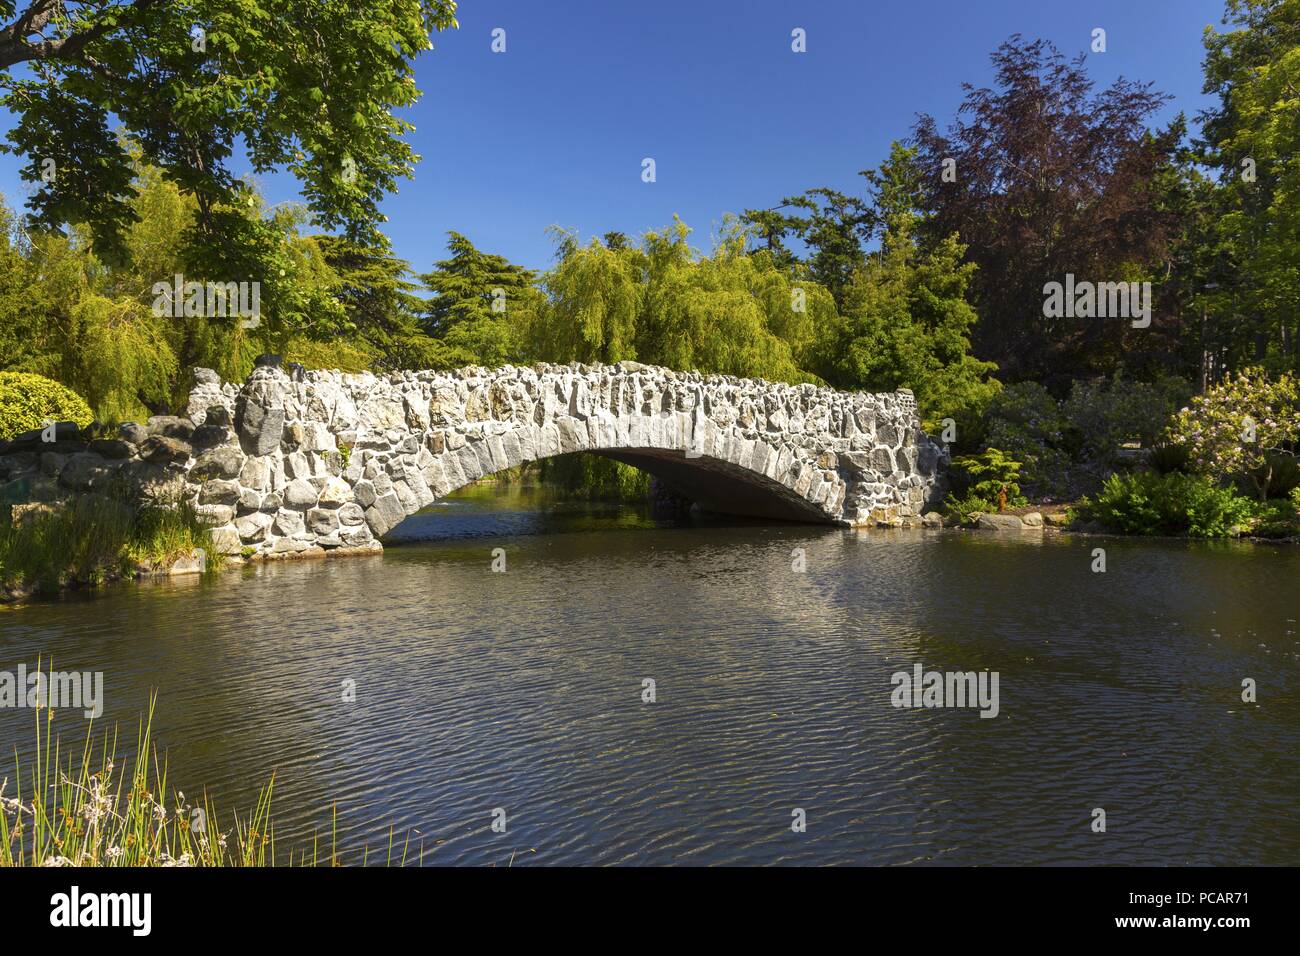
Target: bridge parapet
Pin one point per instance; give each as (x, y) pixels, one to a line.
(288, 464)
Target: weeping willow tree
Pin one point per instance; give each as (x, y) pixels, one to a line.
(661, 302)
(595, 294)
(95, 325)
(734, 311)
(118, 357)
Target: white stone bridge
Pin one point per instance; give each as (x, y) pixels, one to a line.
(332, 461)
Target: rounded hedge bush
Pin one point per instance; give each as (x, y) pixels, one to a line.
(28, 401)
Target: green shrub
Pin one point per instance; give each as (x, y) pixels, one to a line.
(28, 401)
(1066, 447)
(1148, 503)
(1277, 518)
(1104, 414)
(979, 481)
(1168, 457)
(1026, 422)
(987, 475)
(1277, 476)
(965, 508)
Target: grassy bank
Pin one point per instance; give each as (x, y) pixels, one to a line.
(94, 539)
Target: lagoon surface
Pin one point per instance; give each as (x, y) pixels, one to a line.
(522, 690)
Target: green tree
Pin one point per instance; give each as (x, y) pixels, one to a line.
(307, 85)
(595, 294)
(1252, 139)
(732, 312)
(906, 324)
(96, 327)
(25, 343)
(834, 227)
(1042, 176)
(482, 304)
(378, 298)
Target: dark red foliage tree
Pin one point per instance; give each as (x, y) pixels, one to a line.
(1049, 178)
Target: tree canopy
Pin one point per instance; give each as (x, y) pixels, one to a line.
(307, 85)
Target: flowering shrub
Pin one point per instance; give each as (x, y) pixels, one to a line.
(1237, 426)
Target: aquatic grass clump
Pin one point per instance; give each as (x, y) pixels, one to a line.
(96, 538)
(88, 813)
(81, 541)
(160, 535)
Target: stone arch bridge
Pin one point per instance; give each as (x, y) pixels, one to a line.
(327, 461)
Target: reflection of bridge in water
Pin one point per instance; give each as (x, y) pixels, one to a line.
(326, 460)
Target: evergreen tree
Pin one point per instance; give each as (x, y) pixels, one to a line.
(482, 304)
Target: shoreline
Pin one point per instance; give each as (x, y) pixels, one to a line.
(188, 565)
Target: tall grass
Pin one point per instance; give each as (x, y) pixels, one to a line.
(78, 808)
(94, 538)
(81, 810)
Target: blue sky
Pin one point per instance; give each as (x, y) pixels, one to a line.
(553, 131)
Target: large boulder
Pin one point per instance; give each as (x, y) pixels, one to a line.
(288, 522)
(322, 521)
(162, 449)
(224, 461)
(171, 426)
(132, 432)
(225, 540)
(218, 492)
(112, 448)
(252, 528)
(335, 493)
(999, 522)
(259, 428)
(351, 514)
(385, 514)
(299, 494)
(35, 440)
(84, 472)
(206, 436)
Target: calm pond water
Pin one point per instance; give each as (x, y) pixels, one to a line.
(523, 690)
